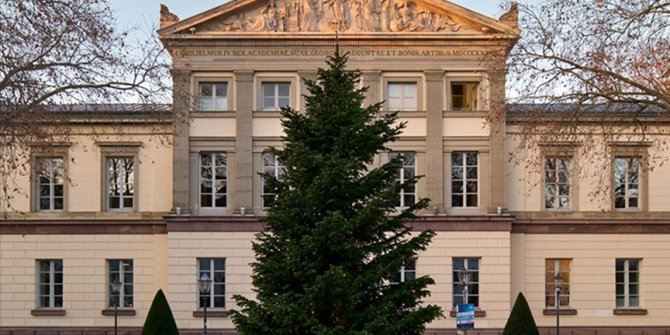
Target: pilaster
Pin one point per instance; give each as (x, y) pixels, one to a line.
(181, 98)
(435, 94)
(243, 142)
(497, 139)
(371, 79)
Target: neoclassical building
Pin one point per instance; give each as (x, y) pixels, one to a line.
(153, 214)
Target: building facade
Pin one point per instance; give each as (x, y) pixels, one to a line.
(100, 207)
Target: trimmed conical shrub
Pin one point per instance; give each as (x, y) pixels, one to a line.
(521, 320)
(160, 320)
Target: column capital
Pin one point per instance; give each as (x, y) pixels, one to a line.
(433, 75)
(244, 75)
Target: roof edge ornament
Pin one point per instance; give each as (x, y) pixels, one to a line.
(511, 17)
(167, 18)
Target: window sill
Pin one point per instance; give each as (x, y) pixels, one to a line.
(120, 312)
(211, 313)
(212, 113)
(630, 311)
(564, 311)
(479, 313)
(464, 113)
(48, 312)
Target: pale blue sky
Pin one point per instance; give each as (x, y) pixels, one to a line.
(145, 12)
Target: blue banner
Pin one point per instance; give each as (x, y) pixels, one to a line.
(465, 316)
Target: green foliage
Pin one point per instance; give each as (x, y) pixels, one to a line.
(160, 320)
(333, 237)
(521, 320)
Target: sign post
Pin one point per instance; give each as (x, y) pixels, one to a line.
(465, 317)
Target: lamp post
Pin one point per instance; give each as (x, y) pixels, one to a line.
(116, 288)
(205, 285)
(464, 279)
(558, 282)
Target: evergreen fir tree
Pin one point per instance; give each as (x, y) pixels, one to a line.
(521, 321)
(160, 320)
(333, 237)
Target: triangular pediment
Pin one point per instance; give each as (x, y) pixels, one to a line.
(330, 16)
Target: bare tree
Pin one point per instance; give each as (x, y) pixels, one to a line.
(593, 73)
(56, 52)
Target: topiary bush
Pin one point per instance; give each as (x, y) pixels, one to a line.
(521, 320)
(160, 320)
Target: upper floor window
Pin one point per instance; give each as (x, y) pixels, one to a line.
(120, 183)
(49, 178)
(552, 268)
(212, 96)
(627, 182)
(213, 269)
(121, 271)
(275, 95)
(627, 283)
(464, 95)
(405, 173)
(464, 179)
(213, 180)
(471, 265)
(407, 272)
(273, 167)
(401, 96)
(50, 283)
(557, 183)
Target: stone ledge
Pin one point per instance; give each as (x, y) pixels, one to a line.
(564, 311)
(119, 312)
(630, 311)
(48, 312)
(210, 314)
(479, 313)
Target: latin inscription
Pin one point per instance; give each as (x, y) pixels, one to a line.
(325, 52)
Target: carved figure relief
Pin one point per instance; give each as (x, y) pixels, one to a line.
(339, 15)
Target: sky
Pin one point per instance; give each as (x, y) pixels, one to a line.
(144, 13)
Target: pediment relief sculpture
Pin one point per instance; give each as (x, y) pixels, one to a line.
(344, 16)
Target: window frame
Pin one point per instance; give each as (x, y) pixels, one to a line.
(557, 182)
(51, 150)
(403, 78)
(116, 150)
(464, 180)
(464, 83)
(278, 170)
(213, 168)
(404, 270)
(551, 303)
(212, 275)
(123, 295)
(631, 150)
(122, 207)
(401, 178)
(403, 98)
(482, 104)
(208, 78)
(627, 284)
(37, 184)
(52, 284)
(276, 96)
(455, 285)
(626, 195)
(215, 97)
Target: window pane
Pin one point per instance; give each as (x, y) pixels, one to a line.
(283, 90)
(221, 90)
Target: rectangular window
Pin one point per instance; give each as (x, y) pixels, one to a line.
(472, 266)
(120, 270)
(213, 96)
(50, 283)
(627, 283)
(49, 178)
(406, 172)
(273, 167)
(407, 272)
(464, 179)
(464, 95)
(553, 267)
(213, 180)
(215, 270)
(557, 183)
(401, 96)
(120, 183)
(627, 183)
(275, 95)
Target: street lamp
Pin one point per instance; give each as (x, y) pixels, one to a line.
(464, 279)
(116, 288)
(205, 285)
(558, 282)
